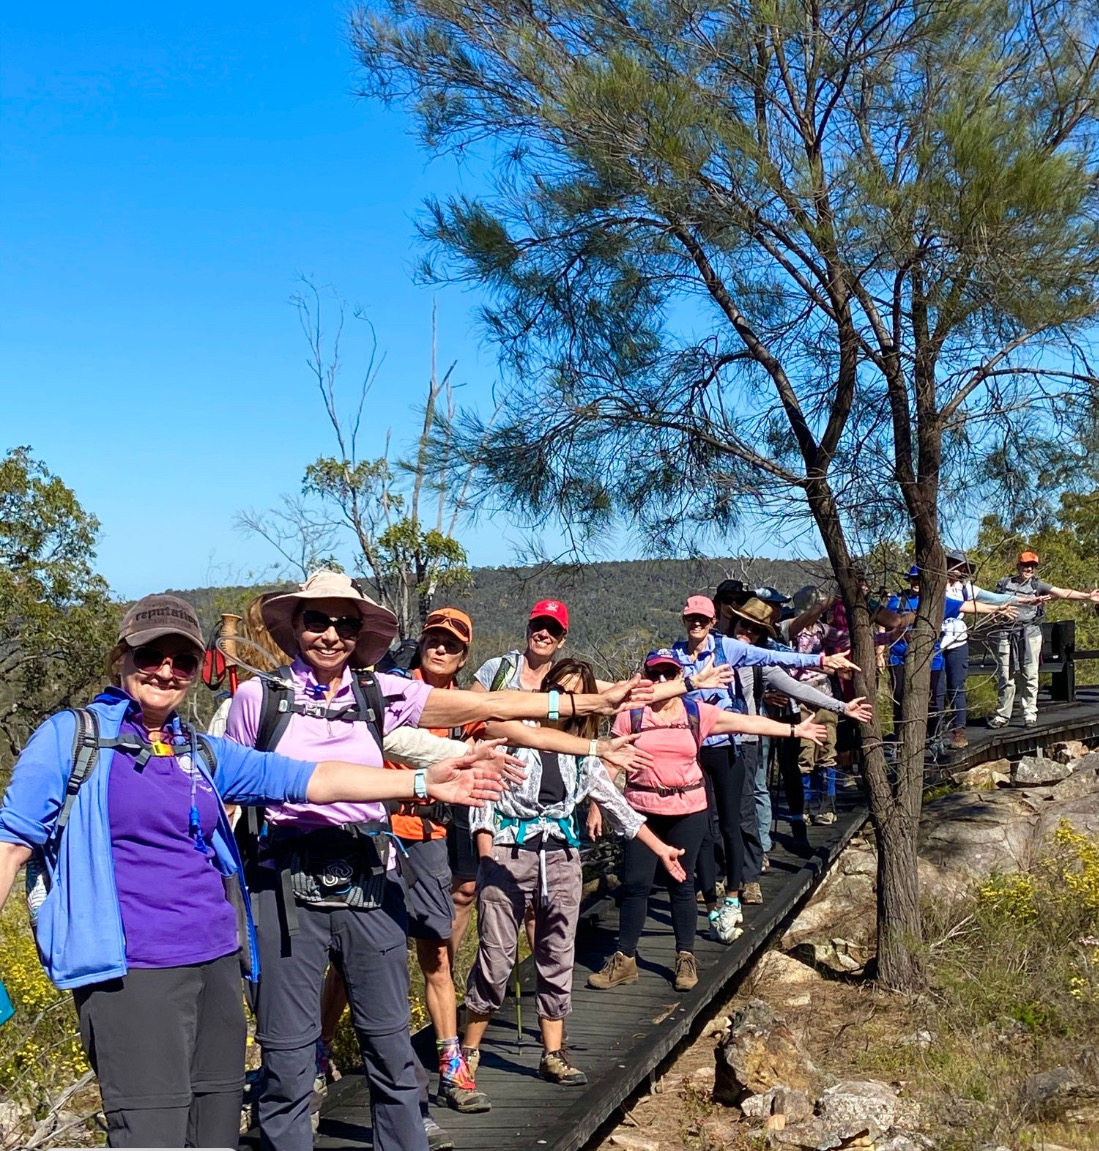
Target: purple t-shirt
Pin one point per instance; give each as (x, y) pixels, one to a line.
(172, 898)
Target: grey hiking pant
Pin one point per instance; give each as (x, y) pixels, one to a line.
(370, 950)
(508, 881)
(167, 1044)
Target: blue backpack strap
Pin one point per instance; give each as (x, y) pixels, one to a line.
(694, 719)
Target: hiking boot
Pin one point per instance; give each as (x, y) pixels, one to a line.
(556, 1068)
(686, 971)
(618, 969)
(457, 1088)
(1030, 722)
(463, 1098)
(799, 829)
(765, 866)
(823, 817)
(959, 740)
(437, 1138)
(997, 721)
(472, 1056)
(726, 920)
(752, 893)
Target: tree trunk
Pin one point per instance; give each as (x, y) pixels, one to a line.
(899, 921)
(894, 801)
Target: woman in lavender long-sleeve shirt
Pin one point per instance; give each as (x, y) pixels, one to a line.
(327, 627)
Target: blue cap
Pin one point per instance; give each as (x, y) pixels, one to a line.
(662, 655)
(770, 595)
(913, 571)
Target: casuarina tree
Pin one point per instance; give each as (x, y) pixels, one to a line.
(769, 257)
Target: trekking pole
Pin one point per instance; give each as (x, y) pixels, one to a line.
(518, 1008)
(229, 630)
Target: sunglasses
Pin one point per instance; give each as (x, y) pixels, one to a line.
(544, 623)
(184, 664)
(441, 619)
(317, 622)
(667, 670)
(451, 644)
(696, 620)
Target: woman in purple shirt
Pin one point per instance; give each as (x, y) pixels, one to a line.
(139, 918)
(328, 627)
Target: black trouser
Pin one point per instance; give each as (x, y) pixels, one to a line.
(787, 751)
(639, 873)
(167, 1044)
(748, 754)
(724, 771)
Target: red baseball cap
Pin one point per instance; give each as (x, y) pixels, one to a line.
(551, 609)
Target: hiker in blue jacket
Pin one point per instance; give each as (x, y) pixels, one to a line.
(146, 917)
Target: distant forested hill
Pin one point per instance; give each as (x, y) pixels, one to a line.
(618, 610)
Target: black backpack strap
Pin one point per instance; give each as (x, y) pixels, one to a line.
(85, 752)
(370, 702)
(276, 700)
(757, 688)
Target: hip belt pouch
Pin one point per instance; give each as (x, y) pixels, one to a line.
(341, 866)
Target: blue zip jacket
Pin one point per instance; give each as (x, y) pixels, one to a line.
(79, 932)
(725, 649)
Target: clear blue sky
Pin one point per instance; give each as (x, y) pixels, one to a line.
(168, 173)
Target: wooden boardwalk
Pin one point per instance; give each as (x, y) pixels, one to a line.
(617, 1037)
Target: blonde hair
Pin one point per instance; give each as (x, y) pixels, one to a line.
(253, 628)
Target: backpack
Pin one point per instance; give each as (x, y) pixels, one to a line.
(637, 714)
(402, 659)
(277, 705)
(87, 743)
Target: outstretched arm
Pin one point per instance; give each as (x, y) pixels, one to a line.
(733, 722)
(618, 751)
(449, 708)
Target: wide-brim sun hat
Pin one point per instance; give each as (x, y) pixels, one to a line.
(379, 623)
(755, 611)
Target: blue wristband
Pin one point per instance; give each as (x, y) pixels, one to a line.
(554, 705)
(419, 785)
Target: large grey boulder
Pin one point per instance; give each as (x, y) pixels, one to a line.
(1038, 771)
(854, 1106)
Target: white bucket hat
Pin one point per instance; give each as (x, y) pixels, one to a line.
(379, 623)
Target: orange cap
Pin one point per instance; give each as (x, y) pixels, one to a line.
(1028, 557)
(452, 620)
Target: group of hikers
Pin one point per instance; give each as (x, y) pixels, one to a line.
(163, 863)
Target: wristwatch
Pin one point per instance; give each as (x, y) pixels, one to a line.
(419, 785)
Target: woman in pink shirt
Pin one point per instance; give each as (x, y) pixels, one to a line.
(671, 794)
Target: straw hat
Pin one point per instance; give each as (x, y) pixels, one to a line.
(755, 611)
(379, 624)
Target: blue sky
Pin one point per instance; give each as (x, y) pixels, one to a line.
(169, 173)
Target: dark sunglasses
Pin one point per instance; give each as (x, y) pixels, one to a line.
(317, 622)
(544, 623)
(449, 622)
(184, 664)
(668, 670)
(697, 620)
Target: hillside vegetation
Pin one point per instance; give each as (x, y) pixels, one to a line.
(617, 610)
